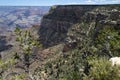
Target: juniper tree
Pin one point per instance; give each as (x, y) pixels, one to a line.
(27, 42)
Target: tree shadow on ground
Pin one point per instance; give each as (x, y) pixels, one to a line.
(4, 44)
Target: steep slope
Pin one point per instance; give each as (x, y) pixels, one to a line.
(84, 31)
(71, 34)
(55, 25)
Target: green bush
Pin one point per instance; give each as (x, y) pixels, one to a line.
(101, 69)
(108, 38)
(28, 41)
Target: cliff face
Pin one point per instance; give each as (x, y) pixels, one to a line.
(85, 31)
(63, 22)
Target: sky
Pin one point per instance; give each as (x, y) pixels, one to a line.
(54, 2)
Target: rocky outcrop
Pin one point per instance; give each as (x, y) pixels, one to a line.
(62, 25)
(55, 24)
(60, 22)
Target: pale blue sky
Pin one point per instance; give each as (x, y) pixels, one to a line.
(54, 2)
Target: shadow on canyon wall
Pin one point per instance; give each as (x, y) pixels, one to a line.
(4, 44)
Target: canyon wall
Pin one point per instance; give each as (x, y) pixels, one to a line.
(57, 25)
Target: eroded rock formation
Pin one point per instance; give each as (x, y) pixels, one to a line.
(58, 23)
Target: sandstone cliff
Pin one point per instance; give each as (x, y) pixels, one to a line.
(56, 25)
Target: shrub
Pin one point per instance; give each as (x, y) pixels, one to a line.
(101, 69)
(27, 42)
(108, 39)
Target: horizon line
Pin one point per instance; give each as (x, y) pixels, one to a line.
(63, 4)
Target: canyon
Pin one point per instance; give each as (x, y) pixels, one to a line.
(72, 36)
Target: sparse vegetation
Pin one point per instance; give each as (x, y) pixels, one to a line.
(28, 42)
(5, 65)
(85, 53)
